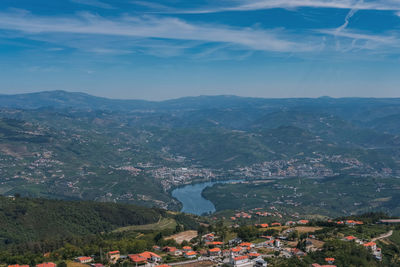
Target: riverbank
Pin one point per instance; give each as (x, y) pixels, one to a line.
(192, 198)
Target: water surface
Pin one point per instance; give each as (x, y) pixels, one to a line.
(192, 200)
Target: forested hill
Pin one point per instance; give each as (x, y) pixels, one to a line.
(28, 220)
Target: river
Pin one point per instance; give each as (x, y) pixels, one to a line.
(192, 200)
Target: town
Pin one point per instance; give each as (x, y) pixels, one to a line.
(258, 245)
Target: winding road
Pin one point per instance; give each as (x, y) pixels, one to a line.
(383, 236)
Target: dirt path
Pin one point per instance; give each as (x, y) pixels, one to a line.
(383, 236)
(180, 237)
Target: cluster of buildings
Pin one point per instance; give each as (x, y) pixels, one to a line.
(256, 212)
(349, 222)
(169, 177)
(285, 168)
(44, 264)
(370, 245)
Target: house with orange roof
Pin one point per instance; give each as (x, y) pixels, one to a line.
(214, 243)
(253, 255)
(187, 248)
(276, 224)
(189, 254)
(84, 259)
(17, 265)
(350, 222)
(330, 260)
(350, 238)
(137, 260)
(371, 245)
(150, 256)
(303, 222)
(214, 252)
(236, 250)
(172, 251)
(353, 222)
(46, 264)
(246, 244)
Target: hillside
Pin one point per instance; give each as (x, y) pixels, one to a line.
(335, 196)
(25, 220)
(76, 146)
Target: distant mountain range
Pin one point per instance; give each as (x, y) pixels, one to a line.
(77, 146)
(63, 99)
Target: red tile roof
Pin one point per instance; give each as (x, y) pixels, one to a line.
(237, 249)
(148, 255)
(214, 243)
(215, 250)
(46, 264)
(369, 244)
(137, 259)
(240, 258)
(84, 258)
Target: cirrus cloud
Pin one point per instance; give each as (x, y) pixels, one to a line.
(153, 27)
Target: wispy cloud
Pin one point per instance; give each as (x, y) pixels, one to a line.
(383, 39)
(341, 28)
(352, 40)
(154, 27)
(249, 5)
(94, 3)
(152, 5)
(348, 17)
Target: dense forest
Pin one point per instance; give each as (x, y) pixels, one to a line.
(25, 220)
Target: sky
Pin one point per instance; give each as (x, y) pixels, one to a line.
(163, 49)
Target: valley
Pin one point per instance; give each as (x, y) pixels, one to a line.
(139, 152)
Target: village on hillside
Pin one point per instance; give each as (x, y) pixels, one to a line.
(258, 245)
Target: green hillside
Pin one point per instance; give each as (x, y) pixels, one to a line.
(89, 148)
(25, 220)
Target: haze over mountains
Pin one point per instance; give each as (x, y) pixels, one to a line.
(76, 146)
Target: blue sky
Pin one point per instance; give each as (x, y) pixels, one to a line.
(172, 48)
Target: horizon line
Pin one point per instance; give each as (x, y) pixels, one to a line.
(193, 96)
